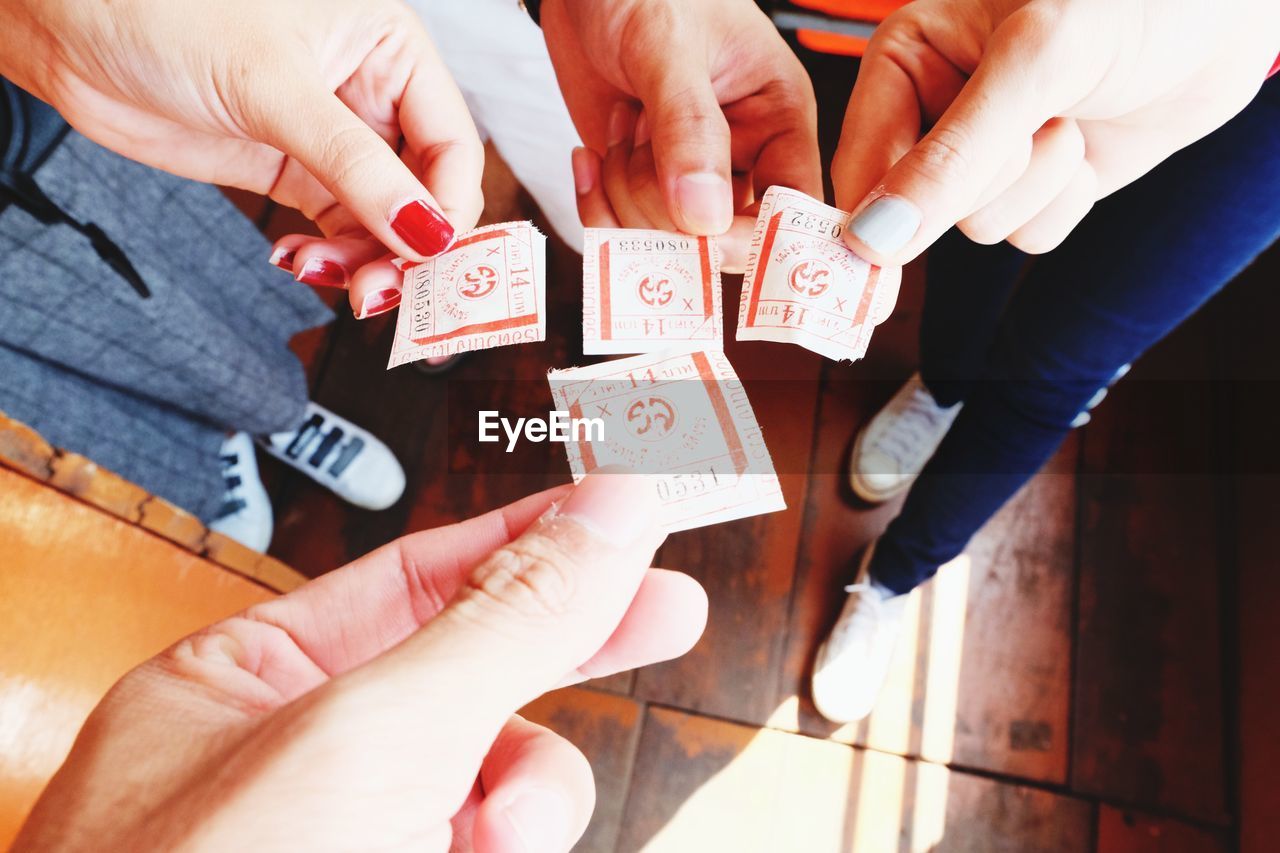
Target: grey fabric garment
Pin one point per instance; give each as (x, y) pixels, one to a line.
(147, 387)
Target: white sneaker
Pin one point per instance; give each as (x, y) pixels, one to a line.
(891, 451)
(340, 456)
(245, 515)
(853, 663)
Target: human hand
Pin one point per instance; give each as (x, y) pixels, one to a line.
(687, 109)
(341, 110)
(375, 706)
(1032, 110)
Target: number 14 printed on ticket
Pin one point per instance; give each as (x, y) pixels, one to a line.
(650, 291)
(804, 286)
(489, 289)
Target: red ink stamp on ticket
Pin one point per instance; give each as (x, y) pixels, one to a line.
(488, 290)
(804, 286)
(683, 421)
(650, 291)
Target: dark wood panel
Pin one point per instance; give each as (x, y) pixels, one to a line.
(1124, 831)
(989, 816)
(1013, 691)
(747, 565)
(837, 527)
(959, 690)
(315, 530)
(252, 205)
(1148, 717)
(1249, 353)
(607, 729)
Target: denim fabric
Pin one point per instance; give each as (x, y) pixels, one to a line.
(1026, 360)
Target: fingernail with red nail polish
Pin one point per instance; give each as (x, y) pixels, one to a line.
(283, 258)
(323, 273)
(379, 303)
(423, 227)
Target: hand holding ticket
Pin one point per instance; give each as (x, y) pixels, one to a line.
(804, 286)
(488, 290)
(682, 420)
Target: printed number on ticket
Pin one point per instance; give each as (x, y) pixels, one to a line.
(650, 291)
(804, 286)
(682, 420)
(488, 290)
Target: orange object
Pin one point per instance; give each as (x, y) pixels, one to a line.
(84, 597)
(857, 10)
(838, 44)
(866, 13)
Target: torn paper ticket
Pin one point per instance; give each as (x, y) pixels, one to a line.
(681, 419)
(804, 286)
(487, 290)
(650, 291)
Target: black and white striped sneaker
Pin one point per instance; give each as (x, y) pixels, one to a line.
(245, 515)
(340, 456)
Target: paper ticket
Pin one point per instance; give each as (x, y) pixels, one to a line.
(488, 290)
(682, 420)
(804, 286)
(650, 291)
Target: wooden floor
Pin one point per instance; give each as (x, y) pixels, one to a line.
(1093, 674)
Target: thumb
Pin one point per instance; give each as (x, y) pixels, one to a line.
(690, 144)
(528, 615)
(943, 177)
(361, 171)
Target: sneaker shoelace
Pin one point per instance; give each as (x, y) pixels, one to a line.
(914, 430)
(870, 598)
(314, 439)
(232, 502)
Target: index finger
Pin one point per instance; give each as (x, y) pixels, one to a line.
(940, 179)
(441, 140)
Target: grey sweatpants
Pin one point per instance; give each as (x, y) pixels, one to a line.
(147, 387)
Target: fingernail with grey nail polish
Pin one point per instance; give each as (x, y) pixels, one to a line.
(887, 224)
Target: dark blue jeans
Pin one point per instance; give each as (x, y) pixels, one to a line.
(1027, 359)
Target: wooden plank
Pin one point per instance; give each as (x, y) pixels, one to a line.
(959, 691)
(1013, 685)
(252, 205)
(837, 528)
(703, 784)
(1125, 831)
(1148, 718)
(1250, 362)
(747, 565)
(607, 729)
(315, 530)
(837, 525)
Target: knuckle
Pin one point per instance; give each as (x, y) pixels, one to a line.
(1035, 21)
(1036, 28)
(941, 157)
(532, 577)
(347, 155)
(687, 113)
